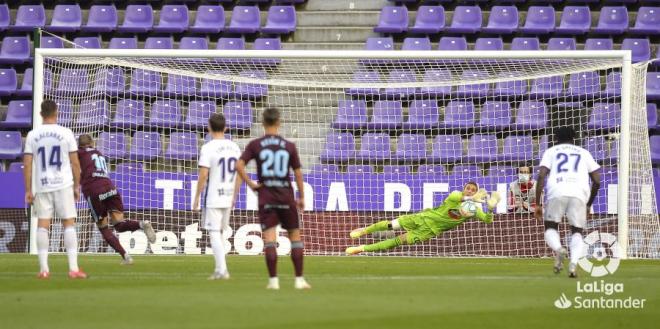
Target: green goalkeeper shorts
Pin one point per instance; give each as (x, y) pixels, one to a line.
(416, 228)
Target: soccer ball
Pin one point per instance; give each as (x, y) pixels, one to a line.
(468, 208)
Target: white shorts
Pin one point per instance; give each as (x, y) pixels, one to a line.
(53, 204)
(216, 219)
(574, 209)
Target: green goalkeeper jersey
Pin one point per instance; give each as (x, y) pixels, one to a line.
(447, 215)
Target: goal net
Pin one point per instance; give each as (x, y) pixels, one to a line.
(379, 135)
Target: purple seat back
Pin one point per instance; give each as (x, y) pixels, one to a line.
(10, 145)
(548, 86)
(473, 89)
(648, 20)
(123, 43)
(245, 19)
(385, 43)
(489, 44)
(531, 115)
(452, 43)
(598, 44)
(238, 114)
(613, 84)
(182, 146)
(575, 20)
(396, 169)
(129, 114)
(66, 18)
(502, 19)
(562, 44)
(51, 42)
(145, 82)
(87, 42)
(280, 20)
(640, 48)
(583, 84)
(363, 169)
(231, 44)
(652, 85)
(612, 20)
(436, 75)
(416, 44)
(393, 19)
(73, 81)
(517, 148)
(165, 113)
(194, 43)
(351, 114)
(209, 19)
(5, 17)
(365, 77)
(422, 114)
(596, 146)
(111, 81)
(145, 146)
(15, 50)
(173, 19)
(540, 19)
(386, 115)
(101, 18)
(447, 148)
(159, 43)
(252, 90)
(19, 114)
(482, 148)
(525, 44)
(400, 76)
(137, 18)
(29, 17)
(338, 147)
(495, 115)
(181, 85)
(8, 82)
(605, 116)
(199, 113)
(375, 146)
(93, 113)
(112, 145)
(411, 147)
(459, 114)
(429, 20)
(215, 87)
(467, 19)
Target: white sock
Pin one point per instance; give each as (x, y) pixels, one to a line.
(300, 279)
(42, 249)
(552, 239)
(218, 251)
(71, 246)
(274, 280)
(576, 247)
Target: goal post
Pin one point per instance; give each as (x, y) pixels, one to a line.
(380, 134)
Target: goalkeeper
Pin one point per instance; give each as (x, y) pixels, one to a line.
(429, 223)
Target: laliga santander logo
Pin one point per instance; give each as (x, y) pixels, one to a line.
(601, 262)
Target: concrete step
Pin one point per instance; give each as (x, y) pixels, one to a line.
(332, 34)
(323, 45)
(338, 18)
(346, 5)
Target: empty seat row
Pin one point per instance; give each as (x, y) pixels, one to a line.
(140, 18)
(436, 169)
(574, 20)
(147, 146)
(481, 148)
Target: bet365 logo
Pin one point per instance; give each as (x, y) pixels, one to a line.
(603, 254)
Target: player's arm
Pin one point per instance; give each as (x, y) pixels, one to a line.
(456, 196)
(540, 185)
(202, 178)
(237, 187)
(242, 174)
(75, 169)
(27, 177)
(301, 188)
(595, 185)
(486, 217)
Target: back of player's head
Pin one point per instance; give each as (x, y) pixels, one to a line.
(564, 134)
(48, 108)
(271, 116)
(217, 122)
(85, 140)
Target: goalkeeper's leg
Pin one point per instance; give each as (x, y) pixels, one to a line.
(383, 225)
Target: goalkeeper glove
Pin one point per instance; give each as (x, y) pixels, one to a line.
(480, 195)
(493, 200)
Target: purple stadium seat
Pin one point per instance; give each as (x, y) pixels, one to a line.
(64, 112)
(351, 114)
(159, 43)
(429, 20)
(562, 44)
(605, 116)
(15, 50)
(16, 167)
(182, 146)
(648, 21)
(209, 19)
(145, 146)
(5, 17)
(384, 43)
(266, 44)
(362, 169)
(531, 115)
(598, 44)
(459, 114)
(375, 146)
(544, 144)
(583, 84)
(655, 149)
(510, 88)
(447, 148)
(137, 19)
(435, 170)
(338, 147)
(173, 19)
(467, 19)
(19, 115)
(502, 20)
(612, 20)
(540, 20)
(73, 82)
(287, 2)
(411, 147)
(165, 114)
(244, 20)
(507, 172)
(462, 174)
(129, 114)
(199, 113)
(364, 77)
(386, 115)
(26, 85)
(145, 82)
(547, 87)
(111, 81)
(640, 48)
(489, 44)
(400, 76)
(29, 17)
(613, 84)
(652, 115)
(596, 146)
(231, 44)
(653, 85)
(238, 114)
(482, 148)
(66, 18)
(495, 116)
(10, 145)
(93, 113)
(51, 42)
(481, 89)
(452, 43)
(8, 82)
(525, 44)
(319, 168)
(101, 18)
(517, 148)
(123, 43)
(87, 42)
(252, 90)
(416, 44)
(129, 168)
(181, 85)
(396, 169)
(574, 20)
(214, 87)
(194, 43)
(392, 20)
(422, 114)
(281, 20)
(440, 76)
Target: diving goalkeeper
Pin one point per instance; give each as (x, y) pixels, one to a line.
(429, 223)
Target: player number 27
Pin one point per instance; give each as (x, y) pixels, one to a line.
(275, 163)
(563, 160)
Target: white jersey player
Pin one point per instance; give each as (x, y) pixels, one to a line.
(51, 151)
(217, 175)
(568, 169)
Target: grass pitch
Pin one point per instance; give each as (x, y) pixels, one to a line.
(357, 292)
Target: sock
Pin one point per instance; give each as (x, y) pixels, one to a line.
(383, 225)
(71, 245)
(576, 247)
(112, 240)
(127, 225)
(383, 245)
(42, 249)
(297, 257)
(552, 239)
(218, 251)
(271, 258)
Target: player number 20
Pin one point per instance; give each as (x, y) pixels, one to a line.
(275, 163)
